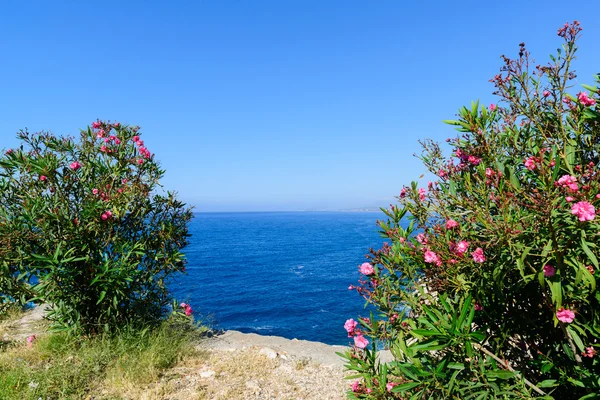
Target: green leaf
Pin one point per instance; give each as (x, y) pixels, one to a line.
(501, 374)
(405, 386)
(102, 294)
(588, 252)
(547, 383)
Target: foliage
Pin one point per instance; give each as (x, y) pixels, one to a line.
(490, 290)
(85, 229)
(67, 367)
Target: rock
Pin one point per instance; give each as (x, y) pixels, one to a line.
(253, 385)
(270, 353)
(207, 374)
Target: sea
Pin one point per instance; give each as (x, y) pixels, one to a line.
(278, 273)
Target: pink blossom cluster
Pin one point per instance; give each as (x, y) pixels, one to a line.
(467, 158)
(569, 182)
(450, 224)
(357, 387)
(565, 315)
(570, 30)
(187, 309)
(478, 255)
(359, 340)
(106, 215)
(431, 257)
(145, 153)
(75, 165)
(530, 163)
(584, 211)
(585, 100)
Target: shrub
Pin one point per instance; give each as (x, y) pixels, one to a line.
(488, 288)
(85, 229)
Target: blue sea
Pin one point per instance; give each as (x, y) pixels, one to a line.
(278, 273)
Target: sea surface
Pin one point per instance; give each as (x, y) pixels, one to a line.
(278, 273)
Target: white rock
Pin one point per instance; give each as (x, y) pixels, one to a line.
(207, 374)
(270, 353)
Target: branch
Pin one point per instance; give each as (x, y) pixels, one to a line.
(505, 364)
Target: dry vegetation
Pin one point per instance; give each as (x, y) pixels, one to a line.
(164, 364)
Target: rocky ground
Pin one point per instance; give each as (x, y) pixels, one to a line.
(234, 365)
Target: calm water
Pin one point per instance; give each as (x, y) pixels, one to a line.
(284, 274)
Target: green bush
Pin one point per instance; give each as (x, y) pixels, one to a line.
(86, 229)
(490, 290)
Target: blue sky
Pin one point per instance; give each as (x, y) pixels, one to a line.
(271, 105)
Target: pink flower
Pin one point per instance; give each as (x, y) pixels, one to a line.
(117, 141)
(569, 181)
(461, 247)
(30, 340)
(360, 341)
(489, 172)
(75, 165)
(124, 181)
(100, 133)
(442, 173)
(43, 178)
(103, 149)
(478, 307)
(584, 211)
(187, 309)
(451, 224)
(549, 271)
(421, 238)
(95, 191)
(585, 100)
(478, 255)
(350, 327)
(96, 125)
(104, 217)
(403, 193)
(356, 387)
(136, 139)
(589, 352)
(492, 107)
(351, 287)
(474, 160)
(390, 386)
(366, 269)
(116, 124)
(422, 194)
(530, 163)
(546, 93)
(569, 199)
(566, 316)
(140, 161)
(108, 214)
(432, 258)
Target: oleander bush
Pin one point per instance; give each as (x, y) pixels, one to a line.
(488, 287)
(86, 228)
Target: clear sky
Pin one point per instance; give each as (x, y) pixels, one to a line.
(271, 105)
